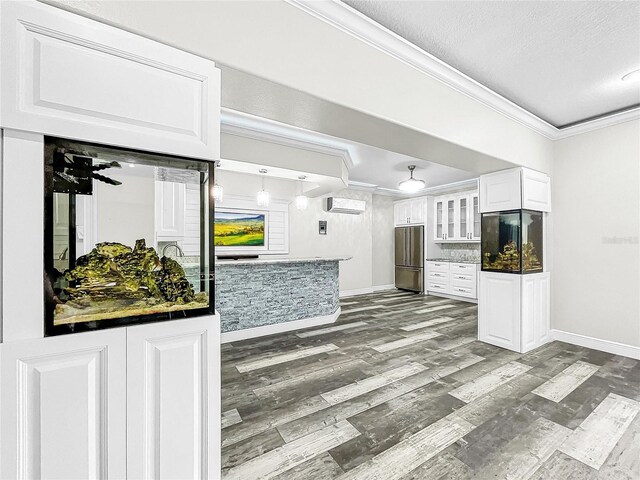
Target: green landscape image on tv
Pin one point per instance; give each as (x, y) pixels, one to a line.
(234, 229)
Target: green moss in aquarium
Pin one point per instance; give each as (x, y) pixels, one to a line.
(114, 280)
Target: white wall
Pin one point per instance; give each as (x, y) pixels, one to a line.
(596, 223)
(382, 238)
(346, 235)
(368, 238)
(277, 39)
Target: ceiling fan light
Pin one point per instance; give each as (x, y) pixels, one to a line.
(411, 185)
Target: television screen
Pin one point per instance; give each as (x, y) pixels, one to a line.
(236, 229)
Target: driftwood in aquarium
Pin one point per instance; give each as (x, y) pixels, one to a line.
(117, 272)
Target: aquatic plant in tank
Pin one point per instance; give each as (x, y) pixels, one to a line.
(512, 241)
(127, 237)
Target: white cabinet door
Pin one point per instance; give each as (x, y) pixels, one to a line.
(474, 217)
(536, 191)
(68, 76)
(451, 219)
(173, 406)
(535, 311)
(462, 217)
(439, 218)
(63, 409)
(416, 214)
(499, 310)
(500, 191)
(400, 214)
(169, 210)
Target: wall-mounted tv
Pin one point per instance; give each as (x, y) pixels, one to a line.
(240, 230)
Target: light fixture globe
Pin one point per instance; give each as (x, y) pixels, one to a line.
(411, 185)
(218, 193)
(301, 201)
(263, 197)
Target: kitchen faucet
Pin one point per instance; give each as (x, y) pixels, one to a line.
(177, 247)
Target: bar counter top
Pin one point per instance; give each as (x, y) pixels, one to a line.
(267, 260)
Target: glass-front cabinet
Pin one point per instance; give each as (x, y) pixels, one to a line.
(474, 222)
(457, 218)
(512, 241)
(127, 237)
(439, 220)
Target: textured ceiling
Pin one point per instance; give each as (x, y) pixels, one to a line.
(560, 60)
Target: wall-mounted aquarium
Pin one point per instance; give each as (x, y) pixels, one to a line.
(512, 241)
(127, 237)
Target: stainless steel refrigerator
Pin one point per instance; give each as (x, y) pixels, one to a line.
(409, 248)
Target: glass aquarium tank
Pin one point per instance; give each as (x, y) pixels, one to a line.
(127, 237)
(512, 241)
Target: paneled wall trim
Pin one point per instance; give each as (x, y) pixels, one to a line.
(41, 45)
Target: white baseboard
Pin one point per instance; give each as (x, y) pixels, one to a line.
(380, 288)
(597, 344)
(357, 291)
(237, 335)
(364, 291)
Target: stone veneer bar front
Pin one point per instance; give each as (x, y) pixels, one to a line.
(258, 292)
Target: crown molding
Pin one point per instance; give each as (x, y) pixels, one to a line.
(354, 23)
(596, 124)
(372, 188)
(251, 126)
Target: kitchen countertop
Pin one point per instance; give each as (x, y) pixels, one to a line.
(454, 260)
(262, 261)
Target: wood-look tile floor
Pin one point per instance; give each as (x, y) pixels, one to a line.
(400, 389)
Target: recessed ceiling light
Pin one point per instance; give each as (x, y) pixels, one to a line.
(632, 76)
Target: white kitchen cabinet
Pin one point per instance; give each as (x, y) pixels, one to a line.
(63, 407)
(514, 189)
(170, 213)
(409, 212)
(456, 218)
(513, 310)
(173, 376)
(459, 279)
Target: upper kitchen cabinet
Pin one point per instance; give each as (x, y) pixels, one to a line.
(456, 218)
(68, 76)
(409, 212)
(514, 189)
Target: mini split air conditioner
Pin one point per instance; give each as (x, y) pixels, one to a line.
(345, 205)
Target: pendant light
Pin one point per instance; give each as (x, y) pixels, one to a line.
(217, 192)
(301, 199)
(411, 185)
(263, 196)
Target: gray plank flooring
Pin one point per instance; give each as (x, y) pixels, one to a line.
(400, 389)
